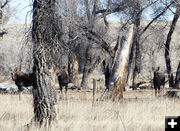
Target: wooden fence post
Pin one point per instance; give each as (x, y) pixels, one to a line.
(94, 89)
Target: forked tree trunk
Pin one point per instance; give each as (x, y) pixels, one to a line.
(167, 47)
(42, 34)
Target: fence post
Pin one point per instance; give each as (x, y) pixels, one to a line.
(94, 89)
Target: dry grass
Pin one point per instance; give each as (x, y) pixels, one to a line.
(135, 113)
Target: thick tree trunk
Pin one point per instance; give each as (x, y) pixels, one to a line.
(43, 32)
(44, 95)
(73, 69)
(94, 57)
(167, 47)
(177, 79)
(85, 79)
(120, 68)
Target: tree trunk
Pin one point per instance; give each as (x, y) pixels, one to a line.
(73, 69)
(94, 57)
(42, 34)
(167, 48)
(131, 66)
(44, 95)
(136, 44)
(120, 68)
(177, 79)
(85, 79)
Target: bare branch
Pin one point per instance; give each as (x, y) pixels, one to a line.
(3, 5)
(155, 18)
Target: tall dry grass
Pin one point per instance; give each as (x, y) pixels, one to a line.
(134, 113)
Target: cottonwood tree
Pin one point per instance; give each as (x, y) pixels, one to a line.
(94, 13)
(46, 36)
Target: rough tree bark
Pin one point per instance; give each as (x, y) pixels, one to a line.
(73, 69)
(167, 47)
(43, 32)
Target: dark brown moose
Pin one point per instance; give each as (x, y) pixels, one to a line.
(21, 80)
(63, 79)
(158, 80)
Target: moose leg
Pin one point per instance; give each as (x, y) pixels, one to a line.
(66, 87)
(155, 90)
(20, 89)
(61, 93)
(163, 89)
(158, 90)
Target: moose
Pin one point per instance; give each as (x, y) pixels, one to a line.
(22, 79)
(158, 80)
(63, 79)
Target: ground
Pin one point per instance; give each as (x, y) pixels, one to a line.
(139, 111)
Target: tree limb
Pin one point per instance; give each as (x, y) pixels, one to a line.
(6, 2)
(155, 18)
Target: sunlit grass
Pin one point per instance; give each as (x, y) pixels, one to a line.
(77, 113)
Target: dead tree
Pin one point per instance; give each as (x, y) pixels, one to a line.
(119, 67)
(44, 36)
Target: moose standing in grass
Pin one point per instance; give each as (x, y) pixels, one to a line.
(158, 80)
(63, 79)
(22, 79)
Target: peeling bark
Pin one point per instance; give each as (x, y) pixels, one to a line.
(119, 72)
(119, 68)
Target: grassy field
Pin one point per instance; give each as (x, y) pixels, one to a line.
(139, 111)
